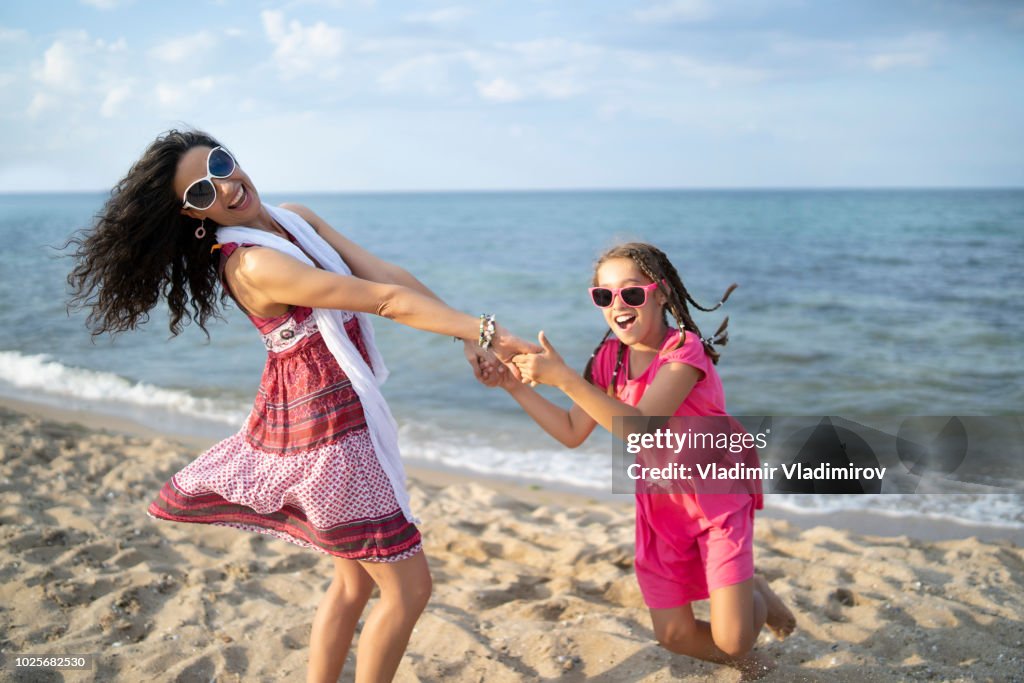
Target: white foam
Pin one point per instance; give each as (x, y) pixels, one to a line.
(471, 452)
(1004, 510)
(40, 375)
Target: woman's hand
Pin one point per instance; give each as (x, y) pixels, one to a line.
(506, 345)
(487, 369)
(546, 367)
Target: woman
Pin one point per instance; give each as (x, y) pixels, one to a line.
(317, 461)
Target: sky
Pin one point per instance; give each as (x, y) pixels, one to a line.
(356, 95)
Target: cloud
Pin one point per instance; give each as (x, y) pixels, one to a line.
(175, 95)
(79, 74)
(446, 16)
(551, 69)
(427, 74)
(716, 75)
(116, 96)
(184, 48)
(301, 49)
(674, 11)
(72, 59)
(59, 68)
(41, 101)
(559, 85)
(331, 4)
(499, 90)
(826, 58)
(894, 60)
(12, 35)
(104, 4)
(548, 69)
(914, 51)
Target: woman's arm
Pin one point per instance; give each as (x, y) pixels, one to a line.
(363, 264)
(367, 266)
(666, 393)
(281, 279)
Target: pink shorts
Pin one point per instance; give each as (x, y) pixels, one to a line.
(686, 549)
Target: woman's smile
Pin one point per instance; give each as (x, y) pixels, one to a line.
(241, 199)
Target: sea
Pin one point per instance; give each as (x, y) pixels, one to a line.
(850, 302)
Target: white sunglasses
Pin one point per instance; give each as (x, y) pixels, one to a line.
(201, 194)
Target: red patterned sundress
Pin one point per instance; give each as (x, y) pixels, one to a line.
(303, 468)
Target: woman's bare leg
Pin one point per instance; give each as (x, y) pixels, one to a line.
(404, 591)
(336, 619)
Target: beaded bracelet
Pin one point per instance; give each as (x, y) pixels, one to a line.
(486, 330)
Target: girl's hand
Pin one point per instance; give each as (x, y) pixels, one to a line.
(546, 367)
(509, 380)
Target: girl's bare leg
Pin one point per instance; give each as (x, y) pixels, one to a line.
(404, 590)
(336, 619)
(779, 619)
(737, 614)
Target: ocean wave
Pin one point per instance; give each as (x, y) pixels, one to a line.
(583, 469)
(40, 376)
(1004, 510)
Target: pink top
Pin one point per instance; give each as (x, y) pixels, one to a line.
(707, 396)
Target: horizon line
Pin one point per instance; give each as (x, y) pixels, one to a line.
(527, 190)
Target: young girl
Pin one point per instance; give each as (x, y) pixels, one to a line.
(688, 547)
(317, 460)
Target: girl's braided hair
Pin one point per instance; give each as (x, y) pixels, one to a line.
(654, 264)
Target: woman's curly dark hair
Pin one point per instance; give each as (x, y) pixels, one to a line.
(141, 247)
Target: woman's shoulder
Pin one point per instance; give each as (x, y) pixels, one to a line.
(304, 212)
(294, 207)
(233, 253)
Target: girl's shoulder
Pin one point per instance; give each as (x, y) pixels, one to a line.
(604, 361)
(673, 343)
(690, 351)
(609, 347)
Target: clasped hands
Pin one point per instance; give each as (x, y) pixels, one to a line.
(516, 361)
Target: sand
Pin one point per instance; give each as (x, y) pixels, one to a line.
(528, 585)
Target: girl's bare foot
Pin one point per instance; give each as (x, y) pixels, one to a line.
(780, 620)
(754, 665)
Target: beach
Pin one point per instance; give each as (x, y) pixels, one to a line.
(530, 583)
(822, 201)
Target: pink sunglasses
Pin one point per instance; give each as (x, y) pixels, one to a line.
(633, 296)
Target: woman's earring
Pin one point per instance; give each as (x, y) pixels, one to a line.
(201, 230)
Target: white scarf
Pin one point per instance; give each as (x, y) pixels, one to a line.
(366, 382)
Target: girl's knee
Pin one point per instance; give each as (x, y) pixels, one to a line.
(735, 643)
(674, 634)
